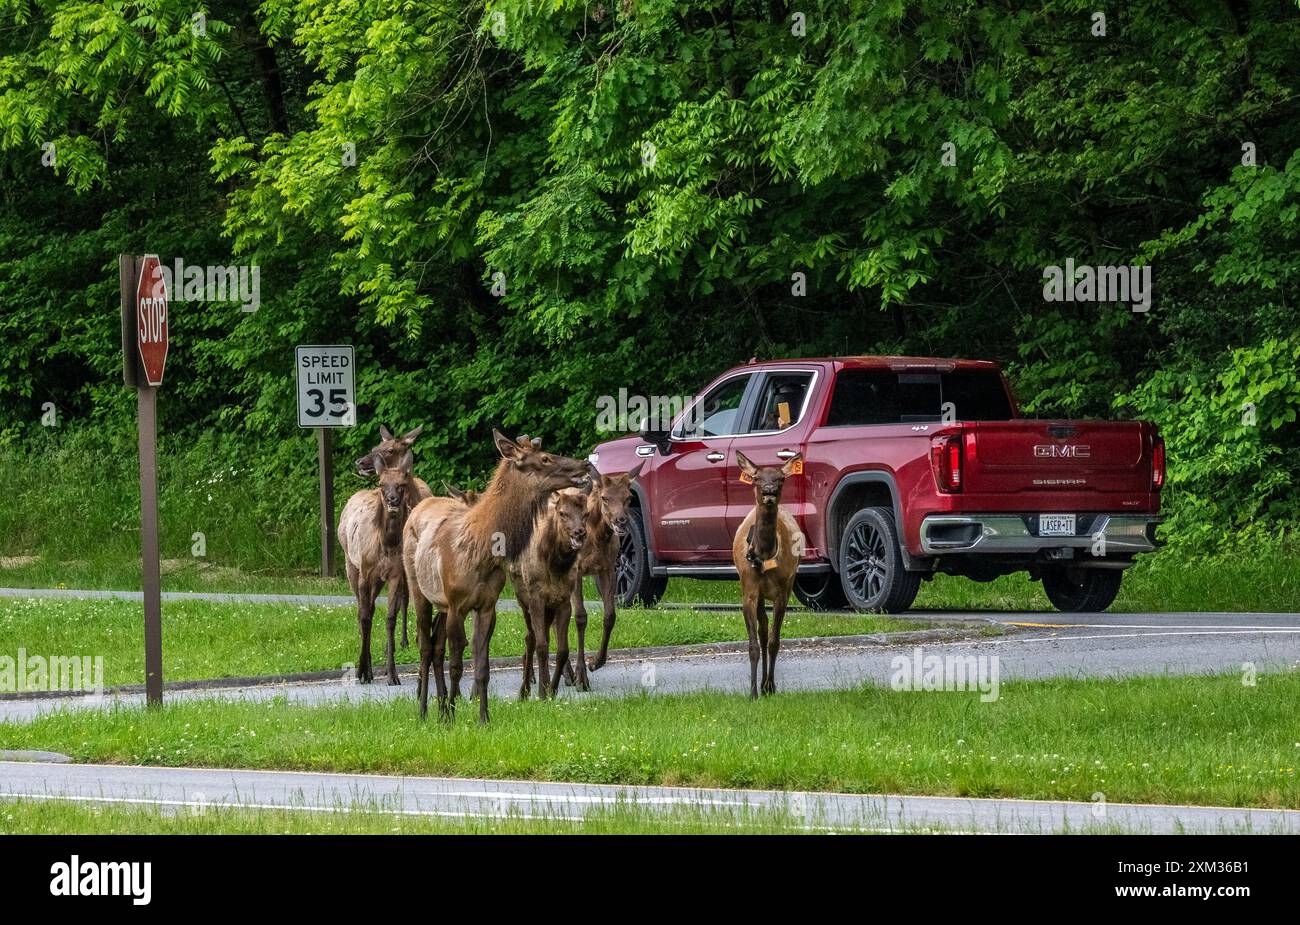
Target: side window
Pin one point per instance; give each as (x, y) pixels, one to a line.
(781, 403)
(864, 396)
(715, 414)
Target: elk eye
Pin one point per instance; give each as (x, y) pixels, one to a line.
(546, 459)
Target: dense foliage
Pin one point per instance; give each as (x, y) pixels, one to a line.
(551, 202)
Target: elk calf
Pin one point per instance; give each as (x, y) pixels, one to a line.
(543, 578)
(766, 550)
(607, 522)
(370, 532)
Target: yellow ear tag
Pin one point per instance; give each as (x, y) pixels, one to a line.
(783, 415)
(798, 467)
(745, 478)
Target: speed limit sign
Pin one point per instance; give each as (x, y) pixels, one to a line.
(326, 386)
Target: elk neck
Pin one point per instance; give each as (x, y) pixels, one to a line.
(508, 506)
(763, 544)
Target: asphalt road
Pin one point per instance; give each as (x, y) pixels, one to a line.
(198, 789)
(1090, 645)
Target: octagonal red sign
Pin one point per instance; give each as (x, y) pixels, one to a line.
(151, 319)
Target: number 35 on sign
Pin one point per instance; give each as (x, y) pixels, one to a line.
(326, 386)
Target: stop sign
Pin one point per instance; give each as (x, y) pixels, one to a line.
(151, 319)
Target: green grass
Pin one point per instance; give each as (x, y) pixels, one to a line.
(1203, 740)
(205, 639)
(54, 817)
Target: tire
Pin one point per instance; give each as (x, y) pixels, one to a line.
(1082, 590)
(634, 583)
(872, 573)
(822, 591)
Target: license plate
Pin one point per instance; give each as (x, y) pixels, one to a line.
(1056, 525)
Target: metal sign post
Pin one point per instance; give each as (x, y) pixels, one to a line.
(326, 399)
(144, 358)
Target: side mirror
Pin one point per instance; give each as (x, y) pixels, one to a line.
(658, 437)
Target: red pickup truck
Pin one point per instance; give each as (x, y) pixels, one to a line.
(912, 466)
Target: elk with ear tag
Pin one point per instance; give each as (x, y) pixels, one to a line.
(766, 551)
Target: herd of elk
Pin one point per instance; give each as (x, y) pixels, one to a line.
(547, 521)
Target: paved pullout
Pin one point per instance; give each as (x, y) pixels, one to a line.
(196, 789)
(1096, 645)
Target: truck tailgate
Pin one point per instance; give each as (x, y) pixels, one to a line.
(1077, 465)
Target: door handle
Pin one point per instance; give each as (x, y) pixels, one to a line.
(716, 457)
(786, 454)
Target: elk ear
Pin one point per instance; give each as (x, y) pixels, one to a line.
(409, 438)
(593, 474)
(635, 471)
(407, 464)
(505, 446)
(789, 467)
(537, 443)
(746, 466)
(385, 433)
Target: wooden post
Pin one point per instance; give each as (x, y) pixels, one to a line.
(325, 458)
(148, 420)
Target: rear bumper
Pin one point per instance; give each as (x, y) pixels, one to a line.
(1015, 534)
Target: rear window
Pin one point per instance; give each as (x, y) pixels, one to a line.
(878, 396)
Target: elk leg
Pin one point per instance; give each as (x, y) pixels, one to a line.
(760, 612)
(424, 639)
(526, 682)
(399, 600)
(485, 622)
(774, 643)
(606, 586)
(439, 649)
(390, 616)
(542, 647)
(365, 615)
(747, 607)
(579, 609)
(456, 639)
(561, 644)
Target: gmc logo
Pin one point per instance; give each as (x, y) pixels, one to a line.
(1069, 451)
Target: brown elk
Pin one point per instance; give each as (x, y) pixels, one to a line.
(543, 577)
(455, 554)
(370, 532)
(766, 551)
(387, 454)
(607, 521)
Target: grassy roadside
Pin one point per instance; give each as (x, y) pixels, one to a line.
(54, 817)
(1203, 740)
(205, 639)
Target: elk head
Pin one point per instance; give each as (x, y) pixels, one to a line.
(569, 509)
(387, 453)
(543, 471)
(614, 495)
(768, 480)
(395, 484)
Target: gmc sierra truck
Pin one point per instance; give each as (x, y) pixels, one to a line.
(912, 467)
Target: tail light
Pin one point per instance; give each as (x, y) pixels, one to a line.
(945, 460)
(1158, 464)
